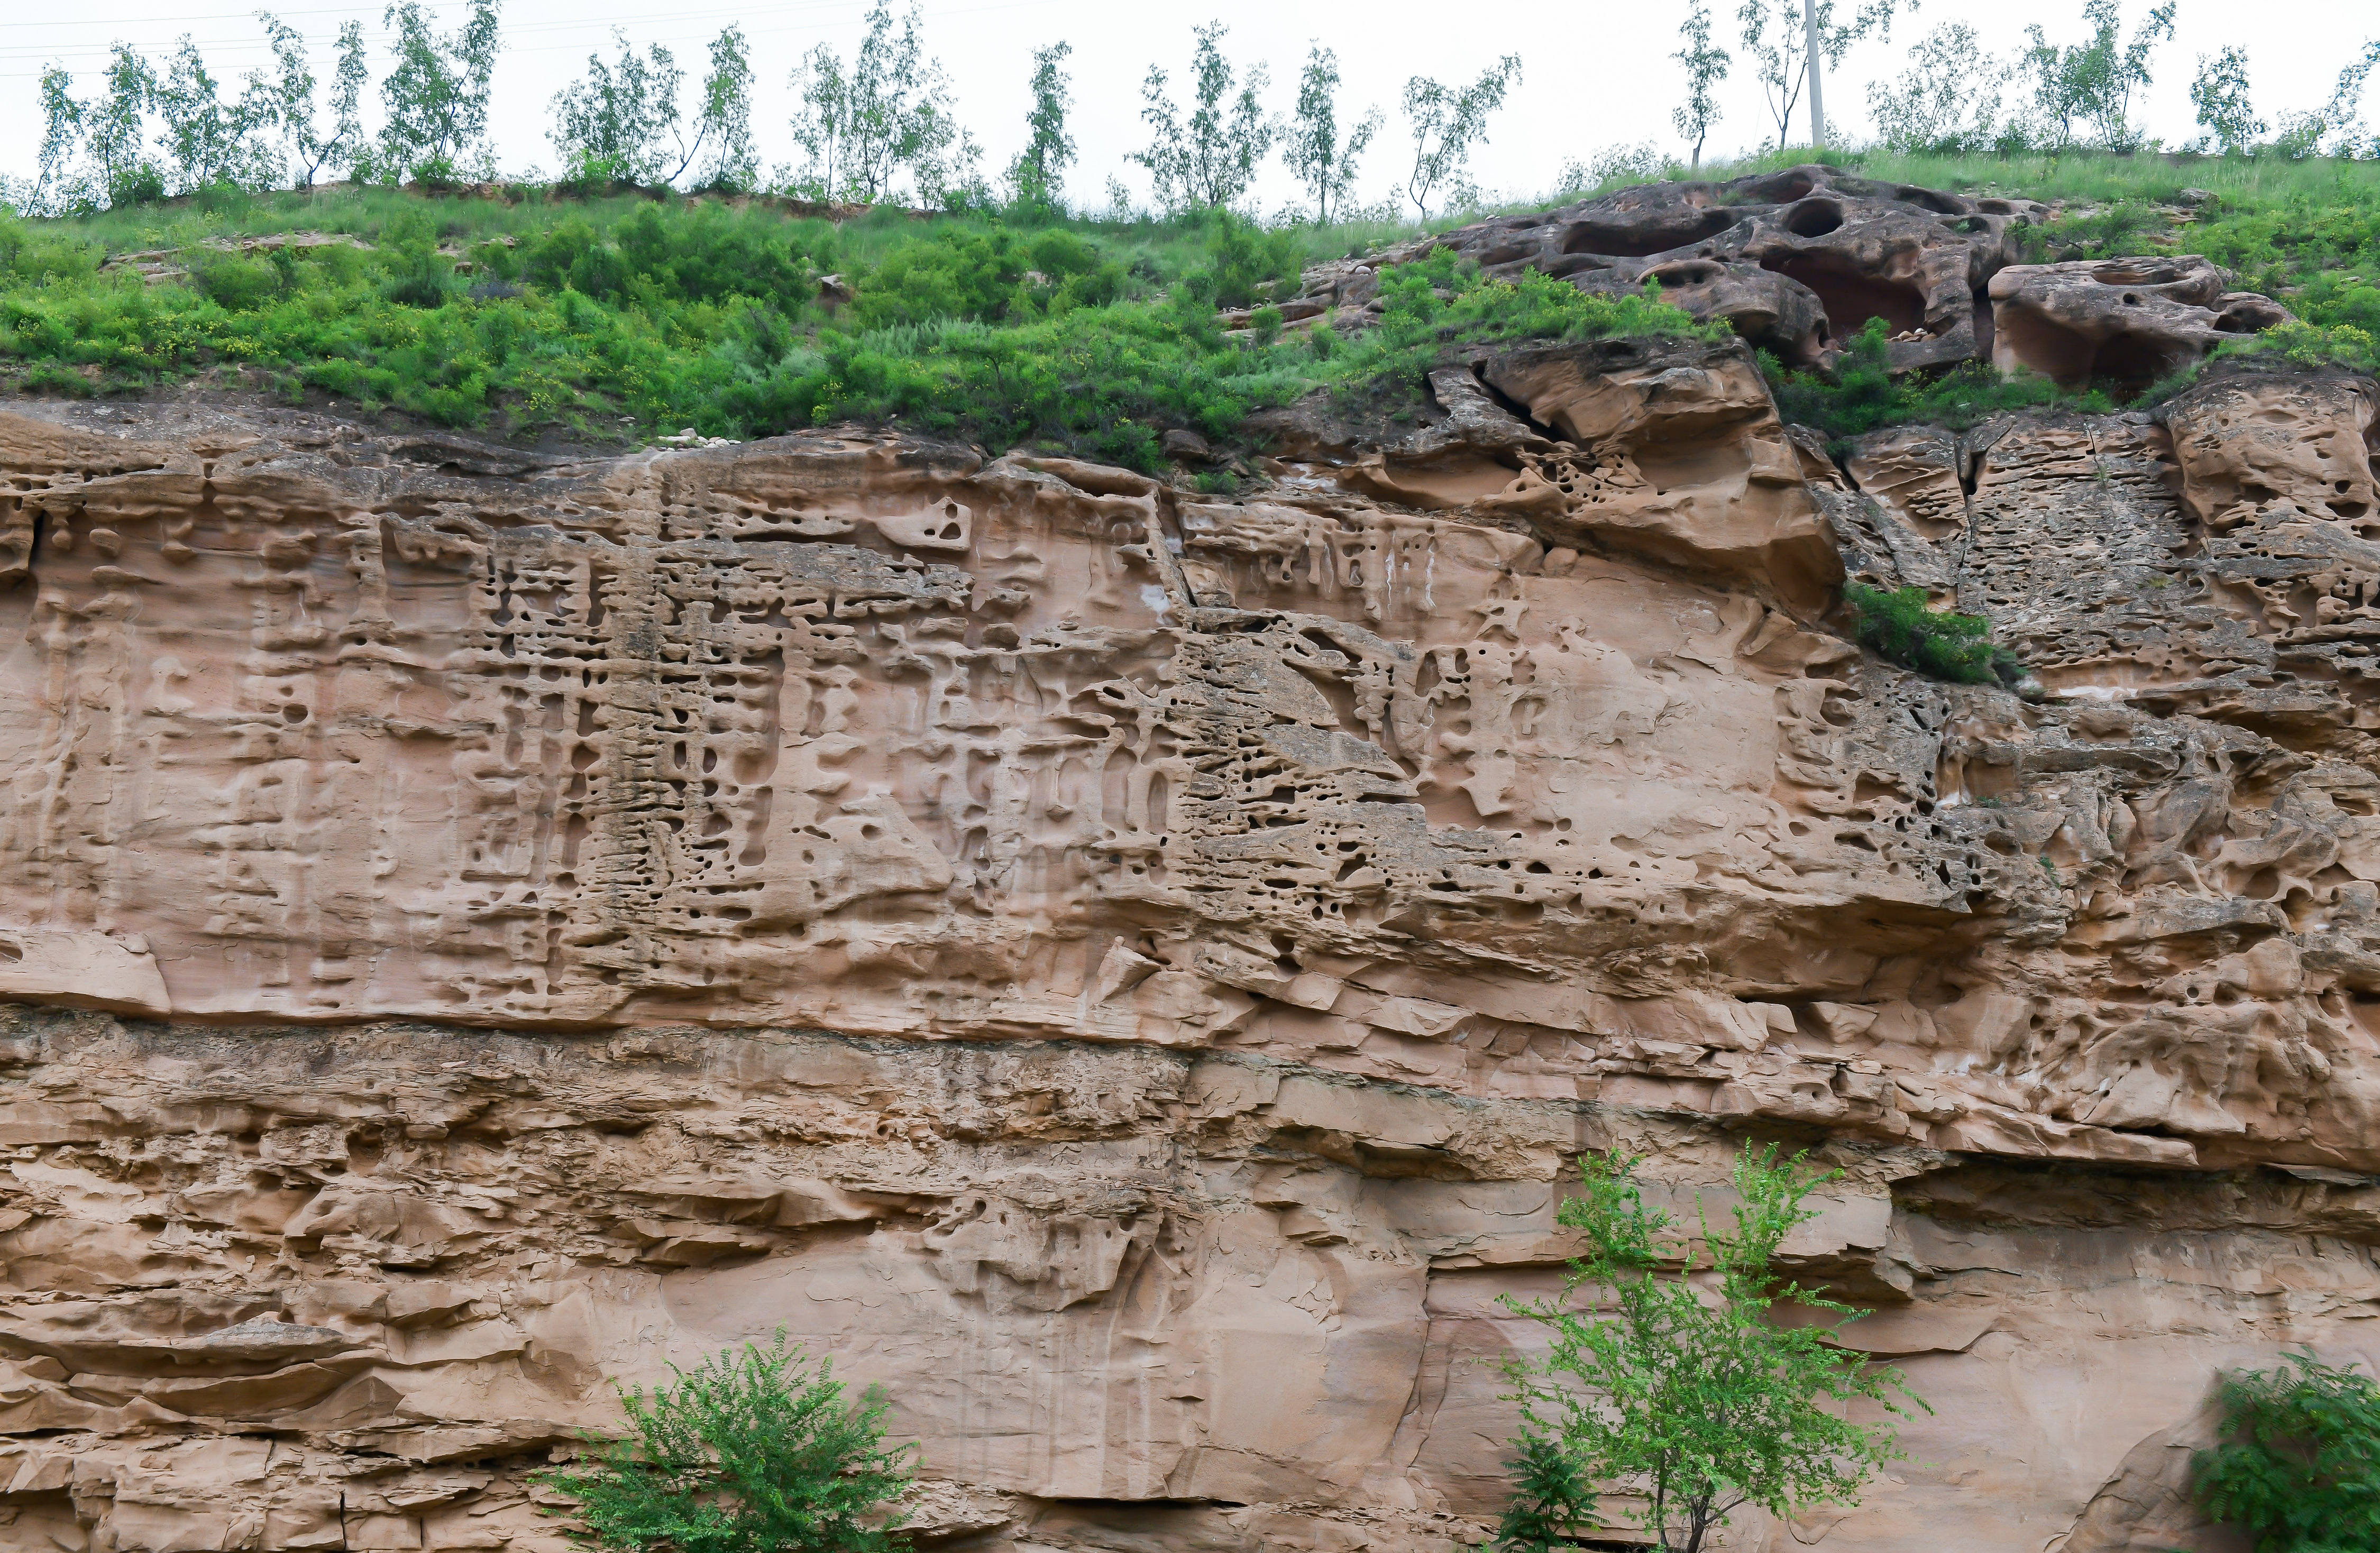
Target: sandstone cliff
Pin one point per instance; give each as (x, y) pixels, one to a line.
(1130, 971)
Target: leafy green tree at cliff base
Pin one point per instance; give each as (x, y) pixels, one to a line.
(2300, 1465)
(750, 1451)
(1685, 1393)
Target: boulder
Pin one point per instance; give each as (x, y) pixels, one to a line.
(1796, 261)
(2125, 323)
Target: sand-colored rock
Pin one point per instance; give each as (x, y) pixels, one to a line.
(1132, 971)
(2120, 322)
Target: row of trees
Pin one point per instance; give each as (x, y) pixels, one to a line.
(99, 150)
(882, 124)
(879, 124)
(1955, 97)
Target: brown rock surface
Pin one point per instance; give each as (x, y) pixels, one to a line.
(2125, 323)
(1130, 972)
(1798, 260)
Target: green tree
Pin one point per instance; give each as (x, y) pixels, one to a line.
(1776, 38)
(1948, 102)
(1209, 159)
(1038, 174)
(62, 128)
(1707, 65)
(437, 94)
(821, 126)
(293, 86)
(617, 120)
(2339, 124)
(750, 1451)
(1323, 161)
(1446, 123)
(2220, 96)
(2300, 1465)
(116, 128)
(2092, 83)
(1552, 1498)
(724, 123)
(888, 111)
(214, 143)
(1687, 1392)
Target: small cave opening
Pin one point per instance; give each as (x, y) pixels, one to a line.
(1643, 239)
(2123, 366)
(2026, 339)
(1850, 297)
(1813, 218)
(2128, 363)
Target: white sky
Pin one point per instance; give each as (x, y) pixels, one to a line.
(1598, 73)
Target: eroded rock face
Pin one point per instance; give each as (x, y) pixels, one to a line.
(1132, 972)
(2123, 322)
(1797, 261)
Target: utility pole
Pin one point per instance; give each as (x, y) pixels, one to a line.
(1817, 98)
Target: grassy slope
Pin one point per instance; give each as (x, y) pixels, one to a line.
(622, 316)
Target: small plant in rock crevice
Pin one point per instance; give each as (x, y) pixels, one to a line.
(1901, 626)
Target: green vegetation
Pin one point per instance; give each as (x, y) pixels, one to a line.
(1552, 1502)
(1861, 395)
(1688, 1395)
(750, 1451)
(602, 310)
(2299, 1466)
(1902, 627)
(1090, 338)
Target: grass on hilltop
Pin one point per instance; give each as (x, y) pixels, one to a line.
(1091, 337)
(618, 316)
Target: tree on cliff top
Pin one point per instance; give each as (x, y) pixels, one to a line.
(750, 1451)
(1685, 1393)
(1209, 159)
(437, 95)
(1707, 65)
(1447, 122)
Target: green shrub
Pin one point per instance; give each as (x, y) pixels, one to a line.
(236, 283)
(2299, 1466)
(1901, 626)
(1552, 1498)
(1863, 395)
(1247, 260)
(419, 276)
(2312, 345)
(749, 1451)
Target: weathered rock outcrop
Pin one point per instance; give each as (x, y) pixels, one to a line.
(2125, 323)
(1132, 971)
(1798, 262)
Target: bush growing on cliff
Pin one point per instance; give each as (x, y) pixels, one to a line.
(1862, 394)
(750, 1451)
(1692, 1397)
(1901, 626)
(2300, 1465)
(1552, 1501)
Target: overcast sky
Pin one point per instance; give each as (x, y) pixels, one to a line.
(1596, 73)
